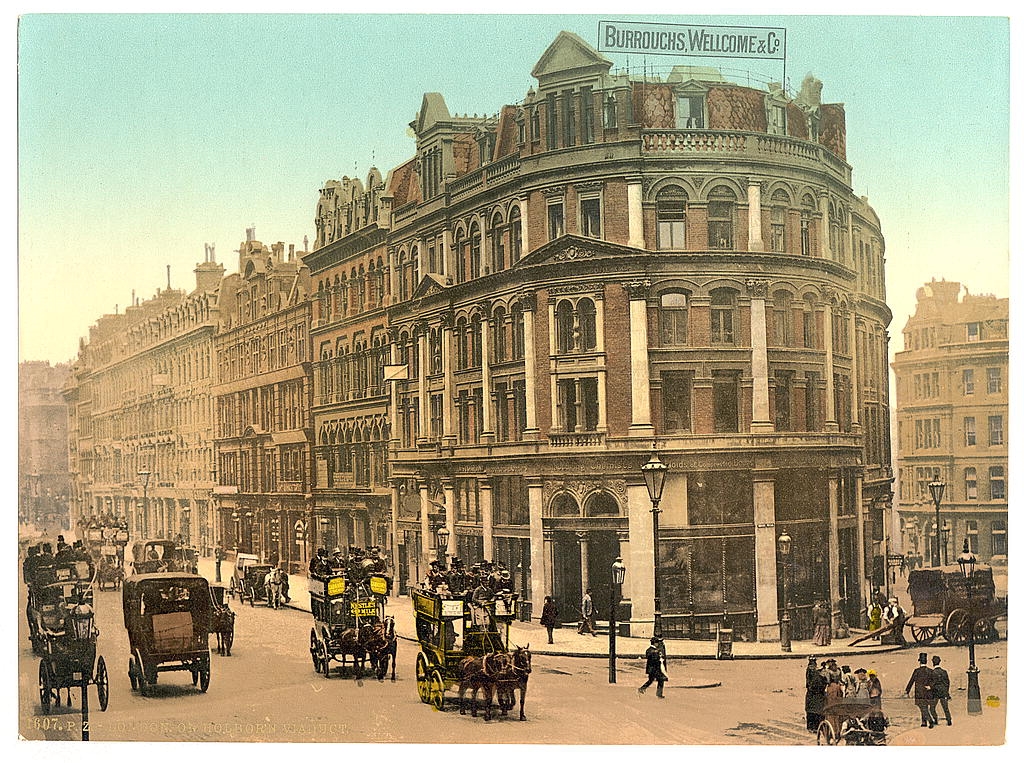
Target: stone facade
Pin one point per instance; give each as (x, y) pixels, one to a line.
(953, 386)
(44, 491)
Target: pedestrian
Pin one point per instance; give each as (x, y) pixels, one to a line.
(850, 681)
(587, 613)
(218, 555)
(874, 689)
(860, 691)
(921, 682)
(874, 616)
(894, 615)
(822, 617)
(655, 657)
(814, 699)
(940, 690)
(284, 585)
(549, 618)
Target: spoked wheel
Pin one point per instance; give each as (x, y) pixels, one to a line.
(924, 635)
(985, 631)
(826, 734)
(132, 675)
(422, 680)
(45, 686)
(195, 676)
(102, 683)
(252, 597)
(314, 649)
(437, 689)
(957, 624)
(140, 672)
(204, 676)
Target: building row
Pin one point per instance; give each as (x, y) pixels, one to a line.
(495, 336)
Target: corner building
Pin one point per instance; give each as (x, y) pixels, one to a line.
(952, 385)
(614, 266)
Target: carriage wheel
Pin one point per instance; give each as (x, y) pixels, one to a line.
(195, 676)
(956, 627)
(314, 649)
(252, 597)
(102, 683)
(437, 689)
(204, 676)
(923, 635)
(827, 734)
(422, 681)
(45, 686)
(131, 674)
(140, 673)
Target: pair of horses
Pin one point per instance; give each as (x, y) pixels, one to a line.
(376, 641)
(497, 674)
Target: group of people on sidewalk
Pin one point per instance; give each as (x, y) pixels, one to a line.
(828, 683)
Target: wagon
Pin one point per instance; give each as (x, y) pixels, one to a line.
(941, 605)
(249, 584)
(449, 629)
(53, 588)
(159, 555)
(168, 617)
(853, 722)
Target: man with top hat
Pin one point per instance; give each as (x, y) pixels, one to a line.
(940, 690)
(814, 699)
(655, 667)
(921, 682)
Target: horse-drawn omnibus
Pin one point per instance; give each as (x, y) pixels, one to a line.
(349, 618)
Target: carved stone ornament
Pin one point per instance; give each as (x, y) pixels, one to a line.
(829, 294)
(420, 327)
(554, 191)
(594, 185)
(484, 307)
(637, 289)
(527, 300)
(572, 253)
(447, 319)
(575, 288)
(758, 287)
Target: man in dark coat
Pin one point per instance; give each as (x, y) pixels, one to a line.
(655, 667)
(549, 617)
(921, 681)
(940, 691)
(814, 700)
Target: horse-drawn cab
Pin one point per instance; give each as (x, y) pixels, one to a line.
(54, 589)
(159, 555)
(349, 619)
(941, 604)
(223, 623)
(250, 583)
(168, 617)
(109, 569)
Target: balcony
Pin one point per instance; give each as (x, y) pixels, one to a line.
(576, 439)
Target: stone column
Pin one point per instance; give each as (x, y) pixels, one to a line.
(761, 418)
(635, 213)
(526, 232)
(755, 243)
(862, 581)
(831, 422)
(421, 380)
(833, 548)
(393, 551)
(487, 516)
(854, 370)
(529, 303)
(765, 533)
(640, 561)
(485, 373)
(446, 256)
(825, 234)
(581, 536)
(425, 534)
(448, 362)
(640, 368)
(540, 579)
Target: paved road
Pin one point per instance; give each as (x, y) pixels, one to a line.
(267, 691)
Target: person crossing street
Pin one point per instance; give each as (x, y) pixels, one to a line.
(655, 666)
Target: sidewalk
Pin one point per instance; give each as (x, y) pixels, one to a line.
(569, 643)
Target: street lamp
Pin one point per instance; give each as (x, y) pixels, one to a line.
(442, 545)
(936, 488)
(654, 472)
(186, 515)
(785, 544)
(967, 560)
(144, 476)
(248, 534)
(618, 576)
(947, 529)
(238, 534)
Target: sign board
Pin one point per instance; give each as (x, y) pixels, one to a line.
(335, 586)
(108, 550)
(653, 39)
(121, 536)
(895, 560)
(452, 608)
(396, 373)
(424, 604)
(724, 644)
(379, 585)
(363, 608)
(109, 533)
(95, 534)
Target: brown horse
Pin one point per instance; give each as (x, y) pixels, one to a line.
(349, 643)
(381, 644)
(481, 673)
(515, 677)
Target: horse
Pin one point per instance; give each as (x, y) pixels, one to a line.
(349, 643)
(515, 677)
(480, 673)
(224, 627)
(272, 583)
(381, 645)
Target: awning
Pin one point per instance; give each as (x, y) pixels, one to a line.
(289, 438)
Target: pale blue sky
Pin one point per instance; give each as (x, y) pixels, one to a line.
(143, 137)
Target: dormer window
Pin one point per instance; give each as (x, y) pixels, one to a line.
(776, 114)
(690, 112)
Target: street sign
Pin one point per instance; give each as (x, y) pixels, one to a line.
(895, 560)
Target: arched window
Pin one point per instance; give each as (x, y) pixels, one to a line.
(834, 229)
(475, 355)
(782, 318)
(564, 505)
(721, 206)
(518, 333)
(515, 235)
(587, 316)
(723, 308)
(436, 356)
(601, 505)
(414, 270)
(460, 246)
(564, 326)
(462, 343)
(673, 318)
(498, 243)
(500, 342)
(810, 322)
(474, 251)
(807, 210)
(779, 204)
(671, 215)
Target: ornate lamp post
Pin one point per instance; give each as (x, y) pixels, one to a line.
(967, 560)
(947, 529)
(654, 472)
(618, 577)
(442, 545)
(785, 545)
(937, 488)
(144, 476)
(238, 535)
(186, 524)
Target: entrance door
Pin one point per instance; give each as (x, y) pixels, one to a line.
(568, 581)
(602, 548)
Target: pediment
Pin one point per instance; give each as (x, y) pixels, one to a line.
(569, 53)
(429, 285)
(569, 249)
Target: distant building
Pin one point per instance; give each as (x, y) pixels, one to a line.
(43, 481)
(952, 390)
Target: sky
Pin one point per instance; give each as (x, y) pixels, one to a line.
(141, 138)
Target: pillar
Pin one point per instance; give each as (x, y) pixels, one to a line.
(824, 234)
(761, 418)
(448, 402)
(487, 515)
(640, 561)
(485, 373)
(529, 304)
(526, 231)
(755, 243)
(833, 548)
(634, 211)
(421, 380)
(854, 370)
(540, 579)
(584, 561)
(449, 515)
(765, 563)
(862, 581)
(831, 422)
(425, 559)
(640, 371)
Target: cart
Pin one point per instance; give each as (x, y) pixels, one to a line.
(168, 617)
(451, 628)
(159, 555)
(853, 722)
(941, 605)
(250, 585)
(349, 620)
